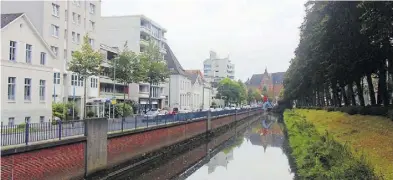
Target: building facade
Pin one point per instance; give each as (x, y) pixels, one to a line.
(215, 69)
(26, 72)
(63, 24)
(178, 91)
(137, 31)
(197, 89)
(269, 84)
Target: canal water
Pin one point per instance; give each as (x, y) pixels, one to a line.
(254, 152)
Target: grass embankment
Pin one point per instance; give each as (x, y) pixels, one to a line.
(319, 156)
(371, 136)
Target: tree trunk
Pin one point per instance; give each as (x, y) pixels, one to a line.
(151, 88)
(84, 97)
(352, 94)
(344, 95)
(359, 88)
(382, 90)
(328, 96)
(371, 89)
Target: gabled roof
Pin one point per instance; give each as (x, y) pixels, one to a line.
(255, 80)
(173, 64)
(278, 77)
(9, 18)
(193, 75)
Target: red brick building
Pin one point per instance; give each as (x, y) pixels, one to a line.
(269, 84)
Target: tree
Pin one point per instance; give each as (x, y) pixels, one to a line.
(156, 71)
(230, 91)
(243, 92)
(126, 68)
(85, 62)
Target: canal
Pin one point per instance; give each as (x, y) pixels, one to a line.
(251, 151)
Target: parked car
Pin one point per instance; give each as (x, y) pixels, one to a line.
(227, 108)
(151, 114)
(163, 112)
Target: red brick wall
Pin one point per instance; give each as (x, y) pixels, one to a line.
(61, 162)
(124, 148)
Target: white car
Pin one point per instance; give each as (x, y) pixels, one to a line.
(151, 114)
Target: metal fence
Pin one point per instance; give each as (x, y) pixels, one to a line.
(33, 132)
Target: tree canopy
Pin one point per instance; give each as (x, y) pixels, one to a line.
(343, 47)
(231, 91)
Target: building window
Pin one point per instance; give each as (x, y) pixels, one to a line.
(42, 90)
(74, 80)
(28, 53)
(94, 82)
(73, 17)
(65, 34)
(55, 50)
(42, 119)
(12, 50)
(80, 81)
(73, 37)
(91, 42)
(55, 30)
(56, 78)
(92, 8)
(11, 121)
(27, 89)
(66, 15)
(11, 88)
(27, 120)
(78, 38)
(79, 19)
(92, 25)
(43, 58)
(55, 10)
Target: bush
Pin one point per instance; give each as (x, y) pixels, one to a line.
(390, 114)
(90, 114)
(21, 126)
(119, 110)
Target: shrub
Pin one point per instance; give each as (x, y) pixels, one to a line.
(119, 110)
(21, 126)
(90, 114)
(390, 114)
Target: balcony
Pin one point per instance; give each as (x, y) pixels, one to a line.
(118, 95)
(145, 29)
(163, 50)
(144, 42)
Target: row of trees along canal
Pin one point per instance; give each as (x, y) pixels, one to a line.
(343, 47)
(236, 92)
(127, 67)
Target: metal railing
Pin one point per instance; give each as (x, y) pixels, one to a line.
(34, 132)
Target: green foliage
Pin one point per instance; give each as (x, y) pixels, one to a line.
(60, 110)
(341, 45)
(90, 114)
(156, 68)
(86, 62)
(320, 157)
(126, 68)
(123, 107)
(231, 91)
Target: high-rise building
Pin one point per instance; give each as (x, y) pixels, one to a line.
(215, 69)
(137, 31)
(63, 24)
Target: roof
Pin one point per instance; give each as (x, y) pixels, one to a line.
(256, 79)
(193, 75)
(278, 77)
(173, 64)
(7, 18)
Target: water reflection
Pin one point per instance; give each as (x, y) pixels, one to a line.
(257, 154)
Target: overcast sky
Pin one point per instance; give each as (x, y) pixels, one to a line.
(254, 33)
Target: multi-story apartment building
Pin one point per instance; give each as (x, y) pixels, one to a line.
(215, 69)
(137, 31)
(109, 88)
(63, 24)
(26, 72)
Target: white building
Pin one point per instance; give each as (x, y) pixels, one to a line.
(200, 91)
(215, 68)
(26, 72)
(63, 24)
(137, 31)
(178, 90)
